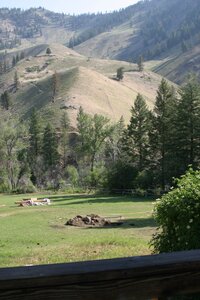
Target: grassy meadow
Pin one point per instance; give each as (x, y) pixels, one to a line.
(38, 235)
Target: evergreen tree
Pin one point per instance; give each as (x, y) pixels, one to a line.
(34, 135)
(13, 61)
(172, 144)
(136, 140)
(48, 51)
(120, 73)
(160, 131)
(140, 63)
(5, 65)
(54, 84)
(188, 125)
(6, 100)
(22, 55)
(64, 140)
(50, 147)
(16, 80)
(17, 58)
(35, 148)
(1, 67)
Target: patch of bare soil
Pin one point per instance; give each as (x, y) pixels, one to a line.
(89, 220)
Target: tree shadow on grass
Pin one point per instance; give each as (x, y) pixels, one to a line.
(66, 197)
(87, 199)
(128, 223)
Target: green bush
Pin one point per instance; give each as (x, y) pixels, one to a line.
(144, 179)
(48, 51)
(72, 175)
(178, 216)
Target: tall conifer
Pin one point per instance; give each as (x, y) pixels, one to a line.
(136, 136)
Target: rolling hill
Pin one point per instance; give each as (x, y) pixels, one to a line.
(89, 83)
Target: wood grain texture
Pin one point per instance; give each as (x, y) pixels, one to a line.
(142, 277)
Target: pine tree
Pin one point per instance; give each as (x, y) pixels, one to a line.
(48, 51)
(35, 132)
(13, 61)
(50, 147)
(161, 130)
(16, 80)
(136, 141)
(17, 58)
(5, 65)
(54, 84)
(120, 73)
(1, 67)
(140, 63)
(22, 55)
(6, 100)
(64, 140)
(172, 144)
(188, 125)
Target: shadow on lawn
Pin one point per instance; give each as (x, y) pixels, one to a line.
(129, 223)
(70, 197)
(95, 199)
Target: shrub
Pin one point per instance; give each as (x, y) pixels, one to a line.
(48, 51)
(25, 186)
(73, 175)
(144, 179)
(178, 216)
(96, 177)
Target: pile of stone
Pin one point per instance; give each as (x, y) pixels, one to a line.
(89, 220)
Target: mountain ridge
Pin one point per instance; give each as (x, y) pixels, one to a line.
(155, 29)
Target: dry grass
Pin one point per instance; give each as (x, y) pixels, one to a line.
(82, 82)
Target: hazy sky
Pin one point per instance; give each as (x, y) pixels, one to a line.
(70, 6)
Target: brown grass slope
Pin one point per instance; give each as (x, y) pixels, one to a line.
(81, 82)
(108, 44)
(178, 67)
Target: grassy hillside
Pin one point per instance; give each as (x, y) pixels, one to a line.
(108, 44)
(80, 82)
(178, 67)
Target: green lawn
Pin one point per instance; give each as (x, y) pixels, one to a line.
(37, 235)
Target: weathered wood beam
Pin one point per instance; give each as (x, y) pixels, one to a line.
(132, 278)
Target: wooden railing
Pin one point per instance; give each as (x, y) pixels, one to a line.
(145, 277)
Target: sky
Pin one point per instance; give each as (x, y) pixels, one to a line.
(70, 6)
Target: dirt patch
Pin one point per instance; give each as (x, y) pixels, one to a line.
(89, 220)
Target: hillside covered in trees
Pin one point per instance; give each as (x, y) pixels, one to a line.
(160, 23)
